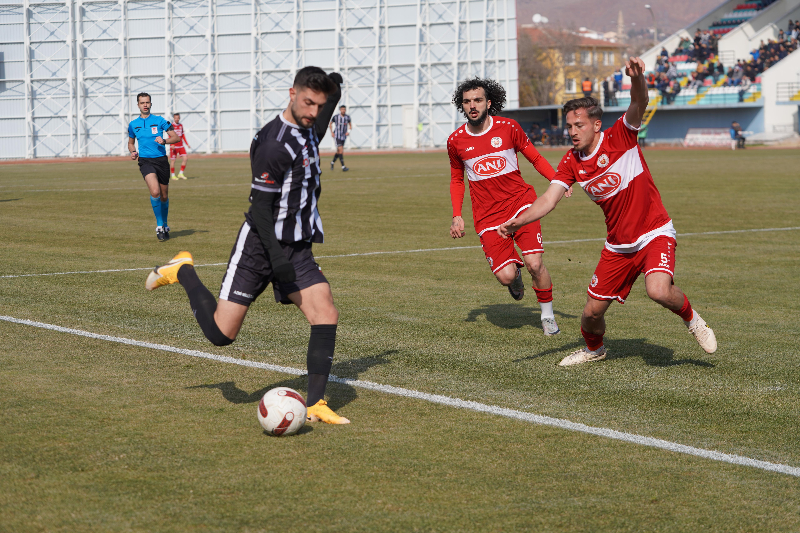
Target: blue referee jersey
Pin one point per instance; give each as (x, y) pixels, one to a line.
(145, 131)
(340, 123)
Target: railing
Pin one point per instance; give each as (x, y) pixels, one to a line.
(788, 92)
(727, 57)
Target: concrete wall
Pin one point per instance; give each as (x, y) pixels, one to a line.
(780, 118)
(671, 124)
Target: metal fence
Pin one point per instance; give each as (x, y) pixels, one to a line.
(70, 70)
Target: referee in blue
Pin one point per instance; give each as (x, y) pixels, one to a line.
(340, 128)
(275, 240)
(149, 130)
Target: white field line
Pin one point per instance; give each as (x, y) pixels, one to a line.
(11, 189)
(443, 400)
(420, 250)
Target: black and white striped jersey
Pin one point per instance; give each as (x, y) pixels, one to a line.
(340, 123)
(284, 159)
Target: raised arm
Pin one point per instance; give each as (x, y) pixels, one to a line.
(326, 113)
(543, 205)
(634, 67)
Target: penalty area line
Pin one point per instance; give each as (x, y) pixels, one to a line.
(442, 400)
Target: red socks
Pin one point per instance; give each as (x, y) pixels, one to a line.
(544, 295)
(183, 167)
(593, 342)
(686, 311)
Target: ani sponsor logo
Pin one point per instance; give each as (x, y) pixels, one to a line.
(604, 186)
(489, 165)
(602, 161)
(497, 142)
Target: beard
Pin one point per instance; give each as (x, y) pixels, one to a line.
(300, 120)
(478, 122)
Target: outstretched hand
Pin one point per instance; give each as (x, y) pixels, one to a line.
(634, 67)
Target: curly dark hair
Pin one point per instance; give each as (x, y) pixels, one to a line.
(494, 93)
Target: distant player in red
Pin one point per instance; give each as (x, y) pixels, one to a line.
(178, 149)
(486, 149)
(610, 167)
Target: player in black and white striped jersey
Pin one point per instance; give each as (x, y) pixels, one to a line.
(340, 128)
(274, 243)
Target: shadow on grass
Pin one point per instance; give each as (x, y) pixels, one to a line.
(510, 316)
(185, 232)
(11, 200)
(340, 394)
(651, 354)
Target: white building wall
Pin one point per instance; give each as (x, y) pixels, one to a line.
(70, 70)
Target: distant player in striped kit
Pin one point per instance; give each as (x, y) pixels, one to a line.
(274, 243)
(340, 128)
(485, 149)
(178, 149)
(610, 167)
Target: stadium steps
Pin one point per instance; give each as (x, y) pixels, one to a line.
(650, 111)
(755, 97)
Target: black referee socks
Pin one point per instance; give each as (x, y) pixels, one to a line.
(203, 305)
(319, 360)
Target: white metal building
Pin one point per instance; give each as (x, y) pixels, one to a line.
(70, 70)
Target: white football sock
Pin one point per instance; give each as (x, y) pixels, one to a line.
(547, 309)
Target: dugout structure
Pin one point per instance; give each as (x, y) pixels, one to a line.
(70, 70)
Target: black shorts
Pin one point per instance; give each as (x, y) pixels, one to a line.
(249, 270)
(340, 142)
(155, 165)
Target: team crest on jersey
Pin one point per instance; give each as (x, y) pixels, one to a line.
(594, 280)
(491, 262)
(305, 162)
(602, 161)
(496, 142)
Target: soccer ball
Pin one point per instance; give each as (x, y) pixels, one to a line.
(282, 412)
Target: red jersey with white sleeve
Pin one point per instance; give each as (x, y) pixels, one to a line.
(496, 187)
(615, 176)
(178, 129)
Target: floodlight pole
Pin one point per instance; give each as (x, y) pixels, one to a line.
(655, 30)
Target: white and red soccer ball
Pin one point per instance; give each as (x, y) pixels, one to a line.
(282, 412)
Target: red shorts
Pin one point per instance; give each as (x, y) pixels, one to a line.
(500, 252)
(176, 151)
(615, 273)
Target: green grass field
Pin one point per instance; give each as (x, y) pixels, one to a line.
(102, 436)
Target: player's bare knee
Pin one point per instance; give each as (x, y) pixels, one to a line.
(505, 277)
(659, 294)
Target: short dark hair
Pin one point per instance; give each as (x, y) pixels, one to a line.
(141, 95)
(176, 114)
(589, 103)
(342, 106)
(314, 78)
(493, 90)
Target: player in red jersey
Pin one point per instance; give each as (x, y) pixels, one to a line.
(610, 167)
(486, 149)
(178, 149)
